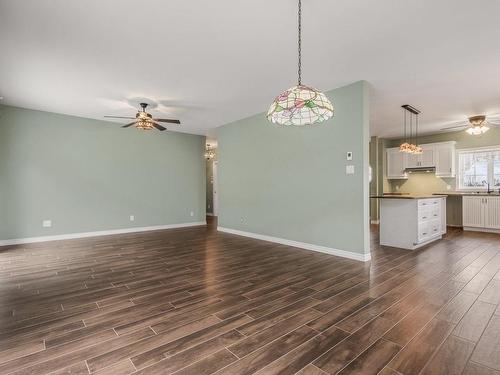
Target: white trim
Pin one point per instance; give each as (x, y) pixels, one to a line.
(374, 221)
(482, 148)
(209, 214)
(486, 230)
(70, 236)
(302, 245)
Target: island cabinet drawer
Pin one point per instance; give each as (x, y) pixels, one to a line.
(428, 230)
(425, 203)
(427, 213)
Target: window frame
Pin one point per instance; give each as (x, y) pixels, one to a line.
(491, 168)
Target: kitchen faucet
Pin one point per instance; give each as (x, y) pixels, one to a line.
(489, 191)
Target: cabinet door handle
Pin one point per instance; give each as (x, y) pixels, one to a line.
(423, 234)
(424, 217)
(435, 215)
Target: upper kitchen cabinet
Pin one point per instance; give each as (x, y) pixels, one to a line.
(445, 159)
(425, 159)
(396, 164)
(440, 156)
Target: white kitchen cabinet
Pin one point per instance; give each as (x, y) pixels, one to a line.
(440, 156)
(427, 156)
(445, 159)
(481, 213)
(425, 159)
(473, 212)
(396, 164)
(411, 222)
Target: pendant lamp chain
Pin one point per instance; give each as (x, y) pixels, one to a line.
(300, 41)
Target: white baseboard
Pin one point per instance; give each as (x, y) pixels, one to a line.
(485, 230)
(70, 236)
(374, 221)
(302, 245)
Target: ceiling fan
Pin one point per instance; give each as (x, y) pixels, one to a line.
(477, 125)
(144, 121)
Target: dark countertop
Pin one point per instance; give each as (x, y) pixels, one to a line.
(468, 194)
(409, 196)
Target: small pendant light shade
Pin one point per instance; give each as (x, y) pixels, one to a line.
(300, 105)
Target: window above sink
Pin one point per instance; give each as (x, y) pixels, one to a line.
(478, 169)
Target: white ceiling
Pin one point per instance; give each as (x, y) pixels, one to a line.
(212, 62)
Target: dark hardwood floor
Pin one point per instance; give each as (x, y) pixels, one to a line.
(194, 301)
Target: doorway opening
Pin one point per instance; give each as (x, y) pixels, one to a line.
(212, 200)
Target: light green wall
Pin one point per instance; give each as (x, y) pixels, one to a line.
(290, 182)
(88, 175)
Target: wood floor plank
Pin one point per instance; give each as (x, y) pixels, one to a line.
(372, 360)
(269, 353)
(414, 356)
(472, 325)
(487, 351)
(451, 357)
(194, 300)
(475, 369)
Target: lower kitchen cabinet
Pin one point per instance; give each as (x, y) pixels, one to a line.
(481, 213)
(410, 223)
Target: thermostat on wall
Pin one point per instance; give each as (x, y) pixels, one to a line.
(349, 155)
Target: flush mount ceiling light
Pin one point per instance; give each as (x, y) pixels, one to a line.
(300, 105)
(410, 115)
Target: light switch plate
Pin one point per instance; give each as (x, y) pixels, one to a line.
(349, 169)
(46, 223)
(349, 155)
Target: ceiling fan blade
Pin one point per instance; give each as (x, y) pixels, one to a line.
(126, 126)
(455, 127)
(158, 126)
(171, 121)
(130, 118)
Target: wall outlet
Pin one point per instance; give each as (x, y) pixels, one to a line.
(46, 223)
(349, 169)
(191, 213)
(132, 217)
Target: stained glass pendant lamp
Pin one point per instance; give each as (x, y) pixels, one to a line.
(300, 105)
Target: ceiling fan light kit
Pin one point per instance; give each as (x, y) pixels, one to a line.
(477, 125)
(145, 121)
(300, 105)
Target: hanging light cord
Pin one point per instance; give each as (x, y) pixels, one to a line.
(300, 42)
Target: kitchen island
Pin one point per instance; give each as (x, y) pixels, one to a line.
(411, 221)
